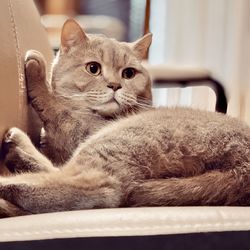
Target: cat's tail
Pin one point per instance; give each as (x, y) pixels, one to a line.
(230, 187)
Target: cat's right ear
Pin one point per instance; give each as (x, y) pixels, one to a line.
(142, 45)
(72, 35)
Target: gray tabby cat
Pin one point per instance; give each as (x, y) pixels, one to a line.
(158, 157)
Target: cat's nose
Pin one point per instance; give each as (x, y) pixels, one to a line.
(115, 86)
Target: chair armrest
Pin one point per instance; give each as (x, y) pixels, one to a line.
(165, 76)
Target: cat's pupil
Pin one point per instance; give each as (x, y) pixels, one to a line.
(93, 68)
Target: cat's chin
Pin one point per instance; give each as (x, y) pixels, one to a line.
(107, 109)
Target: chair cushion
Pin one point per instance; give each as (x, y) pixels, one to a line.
(125, 222)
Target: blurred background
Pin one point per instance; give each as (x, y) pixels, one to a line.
(210, 35)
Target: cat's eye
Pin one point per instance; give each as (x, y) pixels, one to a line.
(94, 68)
(128, 73)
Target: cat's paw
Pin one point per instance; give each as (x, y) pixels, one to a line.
(16, 146)
(35, 66)
(16, 137)
(35, 72)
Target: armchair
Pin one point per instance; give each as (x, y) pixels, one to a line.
(121, 228)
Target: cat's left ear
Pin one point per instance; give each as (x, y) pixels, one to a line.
(72, 35)
(141, 46)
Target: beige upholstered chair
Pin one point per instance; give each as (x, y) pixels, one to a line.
(130, 228)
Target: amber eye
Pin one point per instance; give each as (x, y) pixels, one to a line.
(128, 73)
(94, 68)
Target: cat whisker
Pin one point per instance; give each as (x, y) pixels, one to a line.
(97, 96)
(95, 92)
(130, 103)
(73, 96)
(140, 100)
(145, 105)
(144, 100)
(141, 107)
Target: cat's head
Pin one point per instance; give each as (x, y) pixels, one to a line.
(105, 74)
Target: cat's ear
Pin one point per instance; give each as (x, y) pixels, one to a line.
(72, 35)
(141, 45)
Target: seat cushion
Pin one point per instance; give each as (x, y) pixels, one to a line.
(125, 222)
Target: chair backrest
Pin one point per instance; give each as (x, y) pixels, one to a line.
(21, 30)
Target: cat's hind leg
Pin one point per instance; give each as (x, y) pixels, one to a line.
(20, 155)
(211, 188)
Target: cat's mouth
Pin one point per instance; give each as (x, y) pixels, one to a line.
(108, 108)
(113, 99)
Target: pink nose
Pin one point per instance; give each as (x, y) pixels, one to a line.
(115, 86)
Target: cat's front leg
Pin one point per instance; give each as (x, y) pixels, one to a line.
(52, 110)
(20, 155)
(52, 192)
(38, 90)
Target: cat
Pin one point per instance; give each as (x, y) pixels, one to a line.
(78, 102)
(158, 157)
(94, 80)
